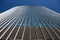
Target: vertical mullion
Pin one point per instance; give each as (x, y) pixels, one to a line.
(13, 28)
(8, 27)
(19, 27)
(24, 26)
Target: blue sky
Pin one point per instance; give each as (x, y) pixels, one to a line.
(52, 4)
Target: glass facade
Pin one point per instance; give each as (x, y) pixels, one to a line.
(33, 23)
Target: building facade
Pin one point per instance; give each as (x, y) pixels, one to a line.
(29, 23)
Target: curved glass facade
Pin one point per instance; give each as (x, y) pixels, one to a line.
(32, 22)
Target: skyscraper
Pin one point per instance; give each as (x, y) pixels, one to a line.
(29, 23)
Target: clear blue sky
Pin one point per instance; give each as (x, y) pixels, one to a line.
(52, 4)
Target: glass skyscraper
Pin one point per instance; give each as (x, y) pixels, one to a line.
(29, 23)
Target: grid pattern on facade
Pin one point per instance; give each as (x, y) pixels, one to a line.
(31, 23)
